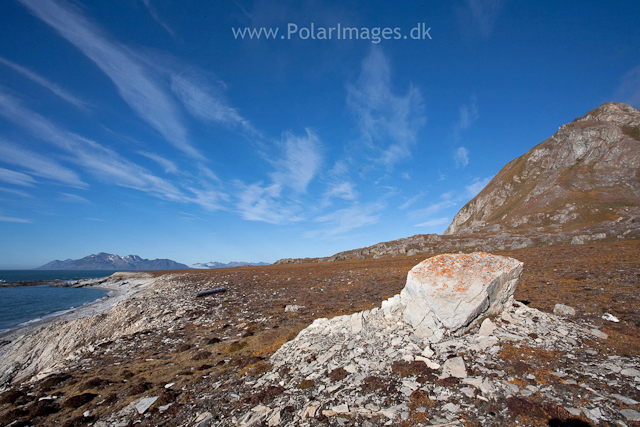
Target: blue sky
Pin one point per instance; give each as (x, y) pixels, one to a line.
(145, 127)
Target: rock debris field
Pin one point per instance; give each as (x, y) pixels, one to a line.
(468, 339)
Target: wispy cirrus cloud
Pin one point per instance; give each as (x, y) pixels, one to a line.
(60, 92)
(344, 220)
(206, 101)
(467, 115)
(13, 219)
(38, 165)
(388, 123)
(137, 84)
(343, 190)
(95, 159)
(461, 157)
(73, 198)
(629, 89)
(339, 184)
(167, 165)
(412, 200)
(480, 16)
(299, 162)
(476, 186)
(16, 178)
(259, 202)
(156, 89)
(433, 208)
(434, 222)
(296, 165)
(154, 15)
(14, 191)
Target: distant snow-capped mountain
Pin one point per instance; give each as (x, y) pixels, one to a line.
(105, 261)
(215, 264)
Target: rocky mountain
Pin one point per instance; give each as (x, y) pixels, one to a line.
(579, 186)
(215, 264)
(586, 173)
(105, 261)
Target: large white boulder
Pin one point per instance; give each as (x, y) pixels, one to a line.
(448, 292)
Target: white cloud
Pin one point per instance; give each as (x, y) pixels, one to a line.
(16, 178)
(62, 93)
(481, 15)
(136, 83)
(38, 165)
(299, 163)
(344, 220)
(206, 102)
(342, 190)
(73, 198)
(167, 165)
(476, 186)
(94, 158)
(412, 200)
(210, 199)
(433, 208)
(434, 222)
(467, 115)
(263, 203)
(461, 157)
(13, 219)
(16, 192)
(629, 89)
(154, 15)
(388, 123)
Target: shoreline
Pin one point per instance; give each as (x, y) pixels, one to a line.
(118, 287)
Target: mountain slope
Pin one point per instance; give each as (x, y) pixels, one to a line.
(105, 261)
(579, 186)
(586, 173)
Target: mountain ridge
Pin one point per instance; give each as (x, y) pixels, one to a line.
(106, 261)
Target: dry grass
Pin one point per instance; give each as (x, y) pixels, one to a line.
(594, 279)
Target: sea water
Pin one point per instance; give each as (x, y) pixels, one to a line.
(20, 305)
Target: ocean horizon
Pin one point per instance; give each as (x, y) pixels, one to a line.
(21, 305)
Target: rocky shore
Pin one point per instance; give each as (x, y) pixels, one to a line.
(23, 353)
(332, 344)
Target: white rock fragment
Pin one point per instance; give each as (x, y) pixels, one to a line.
(427, 352)
(454, 367)
(630, 414)
(293, 308)
(203, 419)
(576, 412)
(451, 407)
(563, 310)
(163, 408)
(599, 334)
(630, 372)
(450, 291)
(393, 411)
(341, 409)
(610, 318)
(310, 411)
(487, 327)
(145, 403)
(626, 400)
